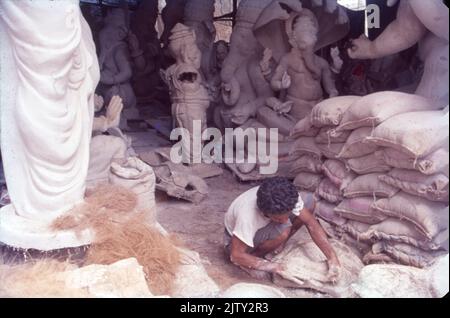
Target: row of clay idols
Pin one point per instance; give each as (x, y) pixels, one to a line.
(262, 77)
(278, 82)
(130, 53)
(250, 77)
(131, 56)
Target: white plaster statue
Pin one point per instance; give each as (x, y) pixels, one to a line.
(49, 71)
(423, 22)
(190, 97)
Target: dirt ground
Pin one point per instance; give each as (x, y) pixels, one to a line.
(201, 228)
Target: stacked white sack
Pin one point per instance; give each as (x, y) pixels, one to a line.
(379, 164)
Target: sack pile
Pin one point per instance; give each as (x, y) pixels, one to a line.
(379, 165)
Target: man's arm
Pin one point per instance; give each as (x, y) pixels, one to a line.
(317, 234)
(320, 238)
(240, 257)
(401, 34)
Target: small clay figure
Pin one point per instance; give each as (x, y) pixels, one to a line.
(190, 97)
(301, 73)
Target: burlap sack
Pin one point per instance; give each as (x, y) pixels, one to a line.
(337, 172)
(360, 247)
(368, 164)
(359, 209)
(332, 231)
(436, 162)
(416, 134)
(328, 191)
(306, 163)
(306, 267)
(355, 146)
(397, 231)
(307, 181)
(434, 187)
(407, 254)
(380, 258)
(369, 185)
(304, 128)
(373, 109)
(429, 217)
(348, 234)
(330, 151)
(330, 111)
(305, 146)
(324, 136)
(391, 280)
(325, 211)
(355, 229)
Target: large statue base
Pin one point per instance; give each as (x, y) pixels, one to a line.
(23, 233)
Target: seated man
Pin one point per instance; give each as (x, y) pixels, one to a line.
(261, 220)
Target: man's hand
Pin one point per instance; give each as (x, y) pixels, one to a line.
(271, 267)
(280, 249)
(334, 271)
(361, 48)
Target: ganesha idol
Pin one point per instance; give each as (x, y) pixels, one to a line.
(272, 73)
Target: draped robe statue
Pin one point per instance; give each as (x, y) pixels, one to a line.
(49, 71)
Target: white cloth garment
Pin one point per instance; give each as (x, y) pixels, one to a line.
(243, 218)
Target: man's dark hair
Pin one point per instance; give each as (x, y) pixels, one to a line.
(276, 196)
